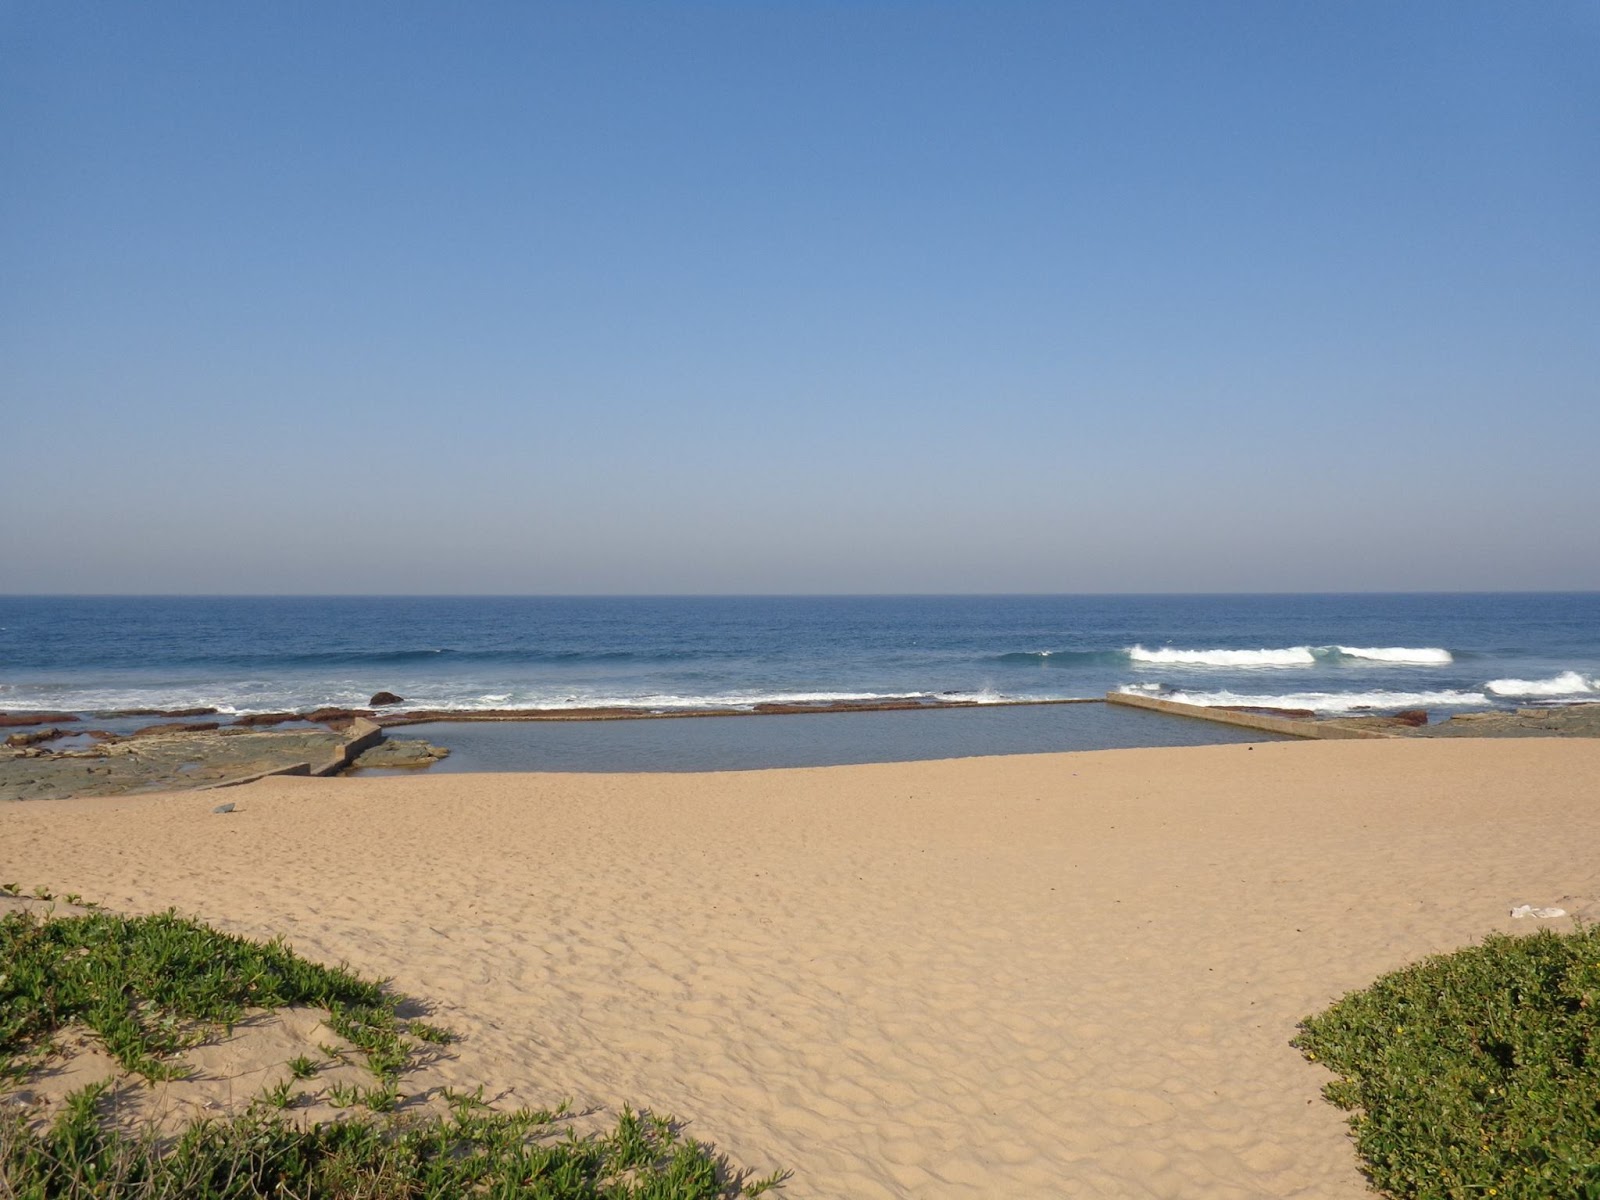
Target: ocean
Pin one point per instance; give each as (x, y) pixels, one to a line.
(1328, 653)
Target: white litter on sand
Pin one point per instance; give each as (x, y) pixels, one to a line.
(1528, 910)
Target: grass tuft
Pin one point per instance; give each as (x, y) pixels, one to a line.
(263, 1156)
(1476, 1073)
(302, 1066)
(433, 1034)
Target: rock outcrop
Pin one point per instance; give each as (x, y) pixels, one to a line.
(274, 718)
(400, 752)
(33, 737)
(176, 727)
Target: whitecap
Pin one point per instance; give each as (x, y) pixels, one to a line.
(1421, 656)
(1293, 656)
(1568, 683)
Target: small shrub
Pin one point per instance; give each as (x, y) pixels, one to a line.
(1474, 1074)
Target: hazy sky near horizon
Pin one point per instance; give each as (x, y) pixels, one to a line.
(799, 297)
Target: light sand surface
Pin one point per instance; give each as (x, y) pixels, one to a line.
(1054, 975)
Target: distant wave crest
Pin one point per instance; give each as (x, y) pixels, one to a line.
(1422, 656)
(1293, 656)
(1568, 683)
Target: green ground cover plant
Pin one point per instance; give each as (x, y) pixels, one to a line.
(1474, 1074)
(151, 986)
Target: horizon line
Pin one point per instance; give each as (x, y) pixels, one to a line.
(1581, 591)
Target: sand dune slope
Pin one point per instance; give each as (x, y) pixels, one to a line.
(1057, 975)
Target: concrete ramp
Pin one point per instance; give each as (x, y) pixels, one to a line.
(1301, 727)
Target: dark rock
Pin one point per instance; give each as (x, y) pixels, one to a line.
(336, 718)
(277, 718)
(1412, 716)
(38, 735)
(50, 718)
(223, 808)
(176, 727)
(382, 698)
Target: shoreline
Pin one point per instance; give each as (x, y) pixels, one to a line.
(26, 719)
(66, 759)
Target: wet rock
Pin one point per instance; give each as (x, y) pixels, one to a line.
(277, 718)
(1558, 720)
(176, 727)
(1412, 716)
(336, 719)
(181, 759)
(401, 752)
(43, 718)
(380, 699)
(37, 735)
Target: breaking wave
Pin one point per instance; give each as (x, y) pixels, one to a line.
(1568, 683)
(1294, 656)
(1424, 656)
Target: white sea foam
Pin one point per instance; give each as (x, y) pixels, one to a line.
(1319, 702)
(663, 701)
(1568, 683)
(1423, 656)
(1293, 656)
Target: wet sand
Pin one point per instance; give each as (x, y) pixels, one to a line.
(1043, 975)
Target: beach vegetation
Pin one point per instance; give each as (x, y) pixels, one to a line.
(280, 1095)
(1474, 1074)
(435, 1034)
(344, 1095)
(302, 1066)
(265, 1156)
(150, 987)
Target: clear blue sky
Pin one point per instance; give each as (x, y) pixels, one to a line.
(799, 297)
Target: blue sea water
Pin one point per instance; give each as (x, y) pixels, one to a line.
(1329, 653)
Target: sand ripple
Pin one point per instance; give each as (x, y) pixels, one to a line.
(1062, 975)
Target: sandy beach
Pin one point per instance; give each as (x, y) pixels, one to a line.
(1045, 975)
